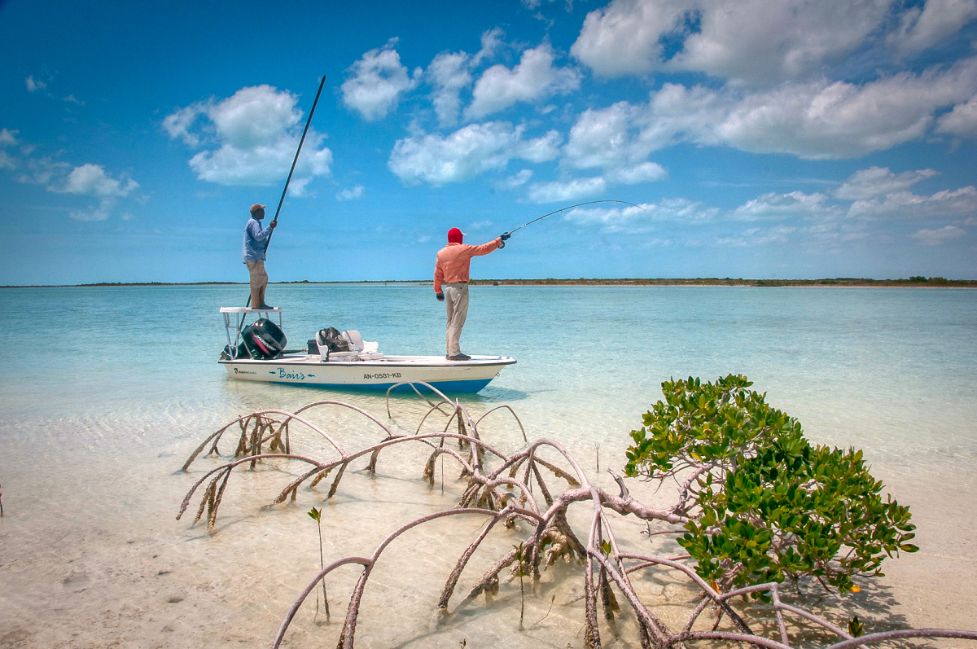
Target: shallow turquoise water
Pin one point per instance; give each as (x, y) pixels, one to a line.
(105, 391)
(894, 369)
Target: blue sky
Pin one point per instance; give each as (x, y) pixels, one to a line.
(756, 139)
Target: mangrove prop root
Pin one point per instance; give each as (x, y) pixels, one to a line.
(518, 489)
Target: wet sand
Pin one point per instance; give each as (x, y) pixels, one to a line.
(92, 555)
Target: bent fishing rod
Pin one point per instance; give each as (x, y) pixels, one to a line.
(274, 221)
(570, 207)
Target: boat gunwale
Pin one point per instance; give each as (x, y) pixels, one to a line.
(313, 361)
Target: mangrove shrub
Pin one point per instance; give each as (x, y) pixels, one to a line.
(763, 503)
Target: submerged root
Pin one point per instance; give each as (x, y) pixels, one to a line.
(530, 496)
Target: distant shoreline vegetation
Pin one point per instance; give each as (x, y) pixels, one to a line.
(914, 281)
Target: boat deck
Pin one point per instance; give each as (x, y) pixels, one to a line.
(383, 361)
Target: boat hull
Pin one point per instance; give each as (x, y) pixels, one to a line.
(378, 375)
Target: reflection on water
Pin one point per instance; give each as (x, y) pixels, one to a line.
(107, 390)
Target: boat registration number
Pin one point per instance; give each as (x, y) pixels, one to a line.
(382, 375)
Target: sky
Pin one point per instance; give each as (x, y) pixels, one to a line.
(747, 138)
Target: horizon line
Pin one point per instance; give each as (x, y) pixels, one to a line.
(916, 280)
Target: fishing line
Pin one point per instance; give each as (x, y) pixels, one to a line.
(570, 207)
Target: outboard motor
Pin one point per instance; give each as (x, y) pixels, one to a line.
(333, 339)
(262, 340)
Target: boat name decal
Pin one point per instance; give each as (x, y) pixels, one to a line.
(295, 375)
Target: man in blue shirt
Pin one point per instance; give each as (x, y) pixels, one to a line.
(255, 244)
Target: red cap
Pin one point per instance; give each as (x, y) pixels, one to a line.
(455, 235)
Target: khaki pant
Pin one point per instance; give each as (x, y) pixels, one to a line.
(456, 304)
(259, 281)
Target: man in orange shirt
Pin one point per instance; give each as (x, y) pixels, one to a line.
(451, 274)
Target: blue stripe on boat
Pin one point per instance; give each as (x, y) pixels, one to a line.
(448, 387)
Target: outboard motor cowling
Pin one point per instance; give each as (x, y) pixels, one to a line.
(262, 340)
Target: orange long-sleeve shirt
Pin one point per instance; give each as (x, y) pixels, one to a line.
(454, 262)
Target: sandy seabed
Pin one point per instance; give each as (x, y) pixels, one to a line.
(91, 554)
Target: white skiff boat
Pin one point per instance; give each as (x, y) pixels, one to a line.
(255, 352)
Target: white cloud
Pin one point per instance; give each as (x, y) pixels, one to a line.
(625, 37)
(33, 85)
(566, 190)
(962, 120)
(758, 237)
(763, 42)
(350, 193)
(645, 172)
(957, 202)
(816, 120)
(540, 149)
(98, 213)
(8, 138)
(449, 74)
(676, 112)
(250, 139)
(491, 41)
(376, 82)
(466, 153)
(612, 139)
(822, 120)
(516, 180)
(624, 135)
(670, 210)
(255, 116)
(923, 28)
(606, 137)
(92, 180)
(179, 125)
(534, 78)
(45, 171)
(265, 164)
(876, 181)
(938, 236)
(747, 41)
(831, 233)
(87, 180)
(682, 210)
(758, 41)
(783, 206)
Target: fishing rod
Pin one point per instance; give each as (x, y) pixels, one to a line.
(570, 207)
(281, 200)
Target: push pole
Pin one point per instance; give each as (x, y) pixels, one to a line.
(281, 200)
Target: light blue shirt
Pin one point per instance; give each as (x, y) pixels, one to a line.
(255, 241)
